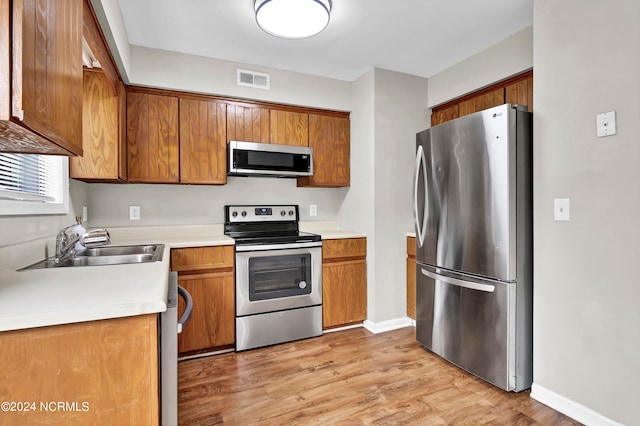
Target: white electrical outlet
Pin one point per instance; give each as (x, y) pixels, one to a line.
(84, 214)
(313, 210)
(606, 124)
(134, 212)
(561, 209)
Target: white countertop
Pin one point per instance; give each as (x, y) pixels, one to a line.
(45, 297)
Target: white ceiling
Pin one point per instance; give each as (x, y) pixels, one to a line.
(419, 37)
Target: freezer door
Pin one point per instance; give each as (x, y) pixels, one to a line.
(464, 194)
(469, 322)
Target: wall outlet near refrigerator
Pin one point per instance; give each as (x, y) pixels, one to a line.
(561, 209)
(134, 212)
(606, 124)
(313, 210)
(84, 214)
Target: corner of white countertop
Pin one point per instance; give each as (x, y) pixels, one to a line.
(329, 230)
(45, 297)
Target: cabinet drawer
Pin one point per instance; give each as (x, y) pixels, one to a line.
(343, 249)
(202, 258)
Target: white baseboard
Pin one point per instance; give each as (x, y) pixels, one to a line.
(570, 408)
(346, 327)
(394, 324)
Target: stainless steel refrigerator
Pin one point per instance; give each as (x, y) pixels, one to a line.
(473, 219)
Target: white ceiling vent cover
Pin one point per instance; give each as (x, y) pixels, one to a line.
(255, 79)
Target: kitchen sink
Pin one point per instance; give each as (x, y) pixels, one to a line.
(100, 256)
(120, 250)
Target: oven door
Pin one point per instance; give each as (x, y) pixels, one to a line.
(278, 278)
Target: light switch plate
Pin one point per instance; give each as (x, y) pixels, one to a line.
(606, 124)
(562, 209)
(134, 212)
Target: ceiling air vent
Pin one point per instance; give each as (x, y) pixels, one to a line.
(255, 79)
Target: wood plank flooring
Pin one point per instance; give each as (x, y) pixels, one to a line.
(350, 377)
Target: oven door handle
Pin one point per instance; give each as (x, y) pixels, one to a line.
(263, 247)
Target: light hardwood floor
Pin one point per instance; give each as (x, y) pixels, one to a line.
(350, 377)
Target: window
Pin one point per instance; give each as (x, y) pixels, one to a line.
(33, 184)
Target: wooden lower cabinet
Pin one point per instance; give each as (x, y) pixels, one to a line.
(208, 274)
(411, 277)
(102, 372)
(344, 282)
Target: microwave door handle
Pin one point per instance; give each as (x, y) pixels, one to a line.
(421, 163)
(487, 288)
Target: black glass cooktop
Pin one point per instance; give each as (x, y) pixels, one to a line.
(274, 238)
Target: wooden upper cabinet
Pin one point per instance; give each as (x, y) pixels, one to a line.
(515, 90)
(445, 114)
(289, 128)
(152, 138)
(329, 138)
(482, 101)
(247, 123)
(44, 114)
(104, 131)
(520, 92)
(203, 142)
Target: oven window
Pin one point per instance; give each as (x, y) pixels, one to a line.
(273, 277)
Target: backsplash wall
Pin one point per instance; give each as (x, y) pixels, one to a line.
(203, 204)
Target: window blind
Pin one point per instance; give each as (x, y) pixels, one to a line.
(29, 177)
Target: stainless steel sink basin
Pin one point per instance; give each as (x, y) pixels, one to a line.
(119, 250)
(111, 255)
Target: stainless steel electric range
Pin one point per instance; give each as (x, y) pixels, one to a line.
(278, 275)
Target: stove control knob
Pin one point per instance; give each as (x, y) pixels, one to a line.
(282, 213)
(234, 214)
(302, 284)
(243, 213)
(290, 212)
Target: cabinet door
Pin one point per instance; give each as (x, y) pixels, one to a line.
(329, 138)
(344, 249)
(103, 141)
(247, 123)
(152, 138)
(203, 143)
(344, 281)
(439, 116)
(212, 322)
(111, 365)
(46, 78)
(289, 128)
(344, 293)
(411, 277)
(521, 92)
(482, 101)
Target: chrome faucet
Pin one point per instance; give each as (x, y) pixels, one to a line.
(65, 244)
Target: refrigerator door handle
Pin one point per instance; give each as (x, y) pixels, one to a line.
(460, 283)
(420, 228)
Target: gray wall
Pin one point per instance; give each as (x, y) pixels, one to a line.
(586, 314)
(511, 56)
(202, 204)
(400, 112)
(171, 70)
(19, 229)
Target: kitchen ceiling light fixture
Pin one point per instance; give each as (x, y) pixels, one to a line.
(292, 18)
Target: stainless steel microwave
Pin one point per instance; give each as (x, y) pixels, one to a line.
(263, 159)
